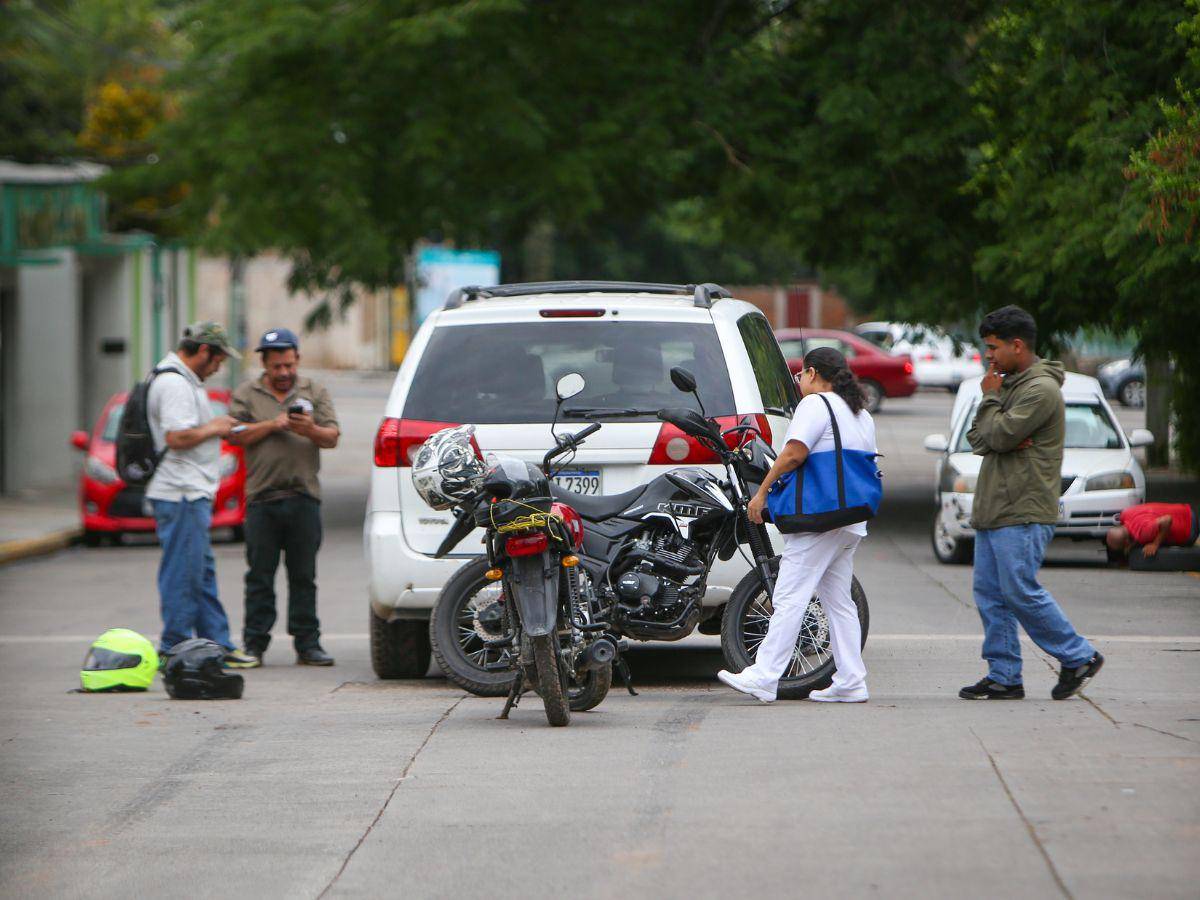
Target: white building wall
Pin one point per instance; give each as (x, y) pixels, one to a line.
(359, 340)
(46, 349)
(107, 286)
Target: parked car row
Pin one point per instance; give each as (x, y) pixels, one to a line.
(109, 508)
(881, 374)
(940, 360)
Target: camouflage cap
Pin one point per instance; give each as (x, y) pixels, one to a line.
(213, 334)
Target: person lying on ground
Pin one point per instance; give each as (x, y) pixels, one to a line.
(1150, 526)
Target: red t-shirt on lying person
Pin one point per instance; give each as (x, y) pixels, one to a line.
(1142, 522)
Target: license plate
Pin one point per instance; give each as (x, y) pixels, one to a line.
(581, 481)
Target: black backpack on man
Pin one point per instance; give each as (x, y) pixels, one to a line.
(136, 456)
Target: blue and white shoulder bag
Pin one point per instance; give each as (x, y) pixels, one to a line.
(831, 490)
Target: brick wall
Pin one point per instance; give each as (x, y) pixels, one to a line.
(803, 305)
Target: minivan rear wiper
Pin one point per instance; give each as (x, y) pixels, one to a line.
(778, 411)
(605, 412)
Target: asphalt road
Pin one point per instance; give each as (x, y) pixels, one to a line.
(329, 782)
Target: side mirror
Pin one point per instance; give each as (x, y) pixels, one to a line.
(79, 440)
(683, 379)
(936, 443)
(569, 385)
(1140, 437)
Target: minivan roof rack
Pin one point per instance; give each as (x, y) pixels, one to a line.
(703, 295)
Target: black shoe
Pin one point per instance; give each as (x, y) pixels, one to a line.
(313, 656)
(1072, 680)
(986, 689)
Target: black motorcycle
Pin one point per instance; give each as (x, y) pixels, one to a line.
(644, 563)
(528, 611)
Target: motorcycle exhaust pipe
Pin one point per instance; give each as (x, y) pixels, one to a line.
(601, 652)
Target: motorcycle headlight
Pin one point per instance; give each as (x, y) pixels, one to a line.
(99, 471)
(229, 464)
(954, 481)
(1110, 481)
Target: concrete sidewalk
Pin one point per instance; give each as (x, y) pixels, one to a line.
(33, 523)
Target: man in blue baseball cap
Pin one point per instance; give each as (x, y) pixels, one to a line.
(288, 420)
(279, 339)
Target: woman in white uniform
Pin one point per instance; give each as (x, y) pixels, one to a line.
(820, 563)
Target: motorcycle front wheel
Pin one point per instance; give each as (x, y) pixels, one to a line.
(466, 630)
(744, 625)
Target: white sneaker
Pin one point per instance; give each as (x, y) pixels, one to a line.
(833, 695)
(738, 683)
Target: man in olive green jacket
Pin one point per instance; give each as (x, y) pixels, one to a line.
(1018, 430)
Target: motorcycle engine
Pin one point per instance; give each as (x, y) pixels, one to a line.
(652, 592)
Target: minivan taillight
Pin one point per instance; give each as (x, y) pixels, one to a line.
(673, 447)
(397, 440)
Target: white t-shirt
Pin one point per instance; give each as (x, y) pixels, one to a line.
(176, 403)
(811, 426)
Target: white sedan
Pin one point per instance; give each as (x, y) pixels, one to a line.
(939, 360)
(1100, 474)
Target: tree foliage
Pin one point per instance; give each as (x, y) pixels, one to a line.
(84, 78)
(933, 158)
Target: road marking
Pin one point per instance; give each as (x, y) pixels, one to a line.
(934, 638)
(1105, 638)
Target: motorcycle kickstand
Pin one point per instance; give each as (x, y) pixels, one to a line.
(514, 695)
(626, 675)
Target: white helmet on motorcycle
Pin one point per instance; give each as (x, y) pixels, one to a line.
(446, 469)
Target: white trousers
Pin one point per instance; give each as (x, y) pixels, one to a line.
(820, 564)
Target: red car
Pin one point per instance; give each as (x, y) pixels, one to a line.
(880, 374)
(108, 507)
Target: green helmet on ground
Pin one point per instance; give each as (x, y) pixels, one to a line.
(119, 660)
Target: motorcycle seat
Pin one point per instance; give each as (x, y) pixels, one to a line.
(596, 508)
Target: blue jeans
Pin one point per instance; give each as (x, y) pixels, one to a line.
(187, 575)
(1007, 592)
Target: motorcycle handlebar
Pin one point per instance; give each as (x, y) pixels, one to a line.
(569, 442)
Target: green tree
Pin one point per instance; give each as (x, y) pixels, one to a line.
(1069, 90)
(934, 158)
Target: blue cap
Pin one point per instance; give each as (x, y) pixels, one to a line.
(279, 339)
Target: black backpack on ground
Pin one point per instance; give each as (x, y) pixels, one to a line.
(136, 456)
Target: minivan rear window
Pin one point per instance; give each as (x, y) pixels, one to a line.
(506, 374)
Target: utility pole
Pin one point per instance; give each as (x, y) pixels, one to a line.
(237, 315)
(539, 251)
(1158, 409)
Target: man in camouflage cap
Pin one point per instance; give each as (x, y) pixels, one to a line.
(188, 435)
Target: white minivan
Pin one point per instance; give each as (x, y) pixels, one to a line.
(1100, 474)
(492, 356)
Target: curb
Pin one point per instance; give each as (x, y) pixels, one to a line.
(25, 548)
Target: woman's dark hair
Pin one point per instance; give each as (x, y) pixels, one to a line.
(831, 365)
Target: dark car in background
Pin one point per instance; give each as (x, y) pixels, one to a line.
(109, 508)
(1124, 380)
(881, 374)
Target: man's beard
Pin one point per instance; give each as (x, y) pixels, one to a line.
(283, 384)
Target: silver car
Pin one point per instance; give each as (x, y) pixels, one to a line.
(1100, 474)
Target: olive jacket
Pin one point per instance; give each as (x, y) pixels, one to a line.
(1020, 487)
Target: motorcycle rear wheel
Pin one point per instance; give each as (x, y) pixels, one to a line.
(551, 683)
(744, 625)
